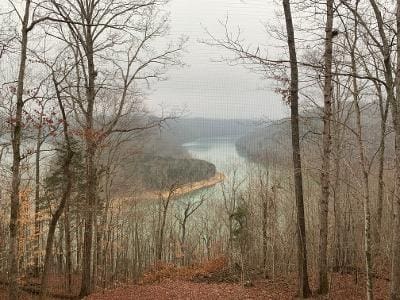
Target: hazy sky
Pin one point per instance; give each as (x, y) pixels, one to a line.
(210, 89)
(216, 90)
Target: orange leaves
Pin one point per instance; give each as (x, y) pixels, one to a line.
(161, 271)
(215, 265)
(26, 220)
(24, 212)
(93, 135)
(342, 287)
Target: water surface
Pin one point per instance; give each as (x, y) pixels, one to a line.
(220, 151)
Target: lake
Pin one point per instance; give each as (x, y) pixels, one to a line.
(220, 151)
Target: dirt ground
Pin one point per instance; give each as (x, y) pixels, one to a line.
(343, 287)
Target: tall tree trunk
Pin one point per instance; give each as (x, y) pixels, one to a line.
(304, 288)
(183, 242)
(264, 191)
(381, 185)
(391, 85)
(16, 147)
(395, 285)
(338, 207)
(64, 199)
(265, 237)
(160, 241)
(49, 246)
(78, 237)
(90, 169)
(365, 174)
(96, 249)
(88, 233)
(37, 197)
(326, 154)
(68, 250)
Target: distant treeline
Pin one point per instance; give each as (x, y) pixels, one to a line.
(187, 130)
(263, 141)
(270, 140)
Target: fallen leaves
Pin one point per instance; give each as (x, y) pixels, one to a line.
(343, 287)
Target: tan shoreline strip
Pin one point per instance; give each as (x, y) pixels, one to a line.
(188, 188)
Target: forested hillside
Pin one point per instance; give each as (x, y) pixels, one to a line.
(110, 191)
(160, 173)
(266, 141)
(190, 129)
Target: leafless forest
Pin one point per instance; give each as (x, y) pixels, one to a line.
(104, 198)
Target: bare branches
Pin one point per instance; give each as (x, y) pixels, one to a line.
(243, 54)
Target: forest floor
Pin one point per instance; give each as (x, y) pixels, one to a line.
(211, 280)
(343, 287)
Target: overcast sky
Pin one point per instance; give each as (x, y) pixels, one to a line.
(216, 90)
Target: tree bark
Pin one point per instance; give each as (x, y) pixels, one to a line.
(395, 285)
(365, 174)
(90, 168)
(161, 230)
(381, 185)
(323, 287)
(264, 193)
(391, 86)
(37, 196)
(16, 147)
(64, 199)
(68, 250)
(304, 288)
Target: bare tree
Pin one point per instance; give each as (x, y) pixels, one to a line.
(67, 187)
(164, 202)
(17, 122)
(326, 155)
(395, 287)
(391, 83)
(363, 161)
(99, 32)
(190, 206)
(304, 288)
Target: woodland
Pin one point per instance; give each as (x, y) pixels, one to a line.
(101, 198)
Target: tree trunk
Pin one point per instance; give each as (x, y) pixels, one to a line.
(365, 174)
(304, 288)
(265, 200)
(16, 147)
(395, 285)
(323, 287)
(161, 234)
(37, 197)
(183, 242)
(64, 199)
(90, 169)
(68, 250)
(265, 237)
(381, 184)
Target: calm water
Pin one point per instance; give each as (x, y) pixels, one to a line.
(220, 151)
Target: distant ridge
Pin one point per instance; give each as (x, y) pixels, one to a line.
(189, 129)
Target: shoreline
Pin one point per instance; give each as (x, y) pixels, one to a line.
(187, 188)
